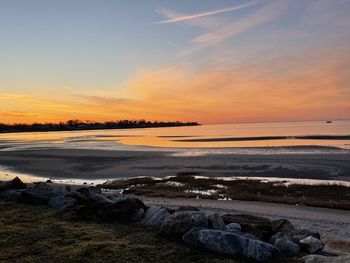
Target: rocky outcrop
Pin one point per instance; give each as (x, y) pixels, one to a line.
(180, 223)
(230, 243)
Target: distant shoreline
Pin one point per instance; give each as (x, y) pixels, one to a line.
(75, 125)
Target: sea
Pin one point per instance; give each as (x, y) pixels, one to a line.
(249, 138)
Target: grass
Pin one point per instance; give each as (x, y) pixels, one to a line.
(330, 196)
(39, 234)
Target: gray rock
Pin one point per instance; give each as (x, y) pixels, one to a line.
(259, 226)
(155, 216)
(230, 243)
(63, 203)
(233, 227)
(287, 245)
(37, 196)
(304, 233)
(180, 223)
(283, 226)
(215, 222)
(311, 244)
(89, 190)
(12, 194)
(99, 198)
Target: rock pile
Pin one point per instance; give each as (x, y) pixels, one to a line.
(242, 235)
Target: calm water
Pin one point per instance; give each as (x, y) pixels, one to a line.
(173, 139)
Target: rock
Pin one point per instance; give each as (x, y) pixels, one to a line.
(233, 227)
(181, 222)
(215, 222)
(42, 186)
(259, 226)
(122, 210)
(304, 233)
(155, 216)
(15, 183)
(287, 245)
(138, 215)
(281, 235)
(230, 243)
(187, 208)
(323, 259)
(99, 198)
(37, 196)
(283, 226)
(89, 190)
(63, 203)
(311, 244)
(12, 194)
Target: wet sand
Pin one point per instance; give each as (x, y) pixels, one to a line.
(103, 164)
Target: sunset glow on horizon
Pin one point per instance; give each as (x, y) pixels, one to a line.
(219, 61)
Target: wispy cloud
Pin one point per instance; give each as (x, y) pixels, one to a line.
(267, 13)
(173, 18)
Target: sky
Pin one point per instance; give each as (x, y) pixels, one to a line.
(222, 61)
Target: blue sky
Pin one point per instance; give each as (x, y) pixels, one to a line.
(52, 50)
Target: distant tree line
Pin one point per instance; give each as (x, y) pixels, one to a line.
(73, 125)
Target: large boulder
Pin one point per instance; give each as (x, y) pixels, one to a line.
(259, 226)
(155, 216)
(230, 243)
(63, 202)
(15, 183)
(180, 223)
(233, 227)
(282, 226)
(122, 210)
(287, 245)
(215, 222)
(311, 244)
(37, 196)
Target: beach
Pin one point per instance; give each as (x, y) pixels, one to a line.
(85, 164)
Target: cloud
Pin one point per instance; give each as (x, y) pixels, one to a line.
(175, 18)
(263, 15)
